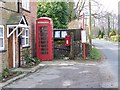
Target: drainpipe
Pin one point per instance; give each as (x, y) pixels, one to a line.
(19, 44)
(18, 4)
(19, 38)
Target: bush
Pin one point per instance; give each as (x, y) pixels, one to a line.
(100, 36)
(26, 56)
(112, 33)
(5, 73)
(115, 38)
(105, 36)
(30, 61)
(36, 60)
(99, 33)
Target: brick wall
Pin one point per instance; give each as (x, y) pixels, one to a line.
(31, 17)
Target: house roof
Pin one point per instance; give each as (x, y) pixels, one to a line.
(16, 19)
(75, 24)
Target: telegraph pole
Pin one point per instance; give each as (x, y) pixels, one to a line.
(90, 26)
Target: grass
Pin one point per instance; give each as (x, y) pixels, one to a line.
(95, 54)
(6, 76)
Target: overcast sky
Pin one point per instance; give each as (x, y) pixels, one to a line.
(109, 5)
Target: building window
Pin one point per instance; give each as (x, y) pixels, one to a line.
(63, 34)
(57, 34)
(26, 4)
(1, 37)
(25, 38)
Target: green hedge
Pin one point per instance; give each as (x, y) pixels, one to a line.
(115, 38)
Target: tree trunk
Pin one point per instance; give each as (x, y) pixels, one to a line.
(108, 25)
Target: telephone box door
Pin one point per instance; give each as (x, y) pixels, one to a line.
(43, 42)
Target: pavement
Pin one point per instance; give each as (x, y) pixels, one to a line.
(25, 71)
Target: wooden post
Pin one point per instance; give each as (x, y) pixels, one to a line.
(90, 26)
(84, 45)
(71, 56)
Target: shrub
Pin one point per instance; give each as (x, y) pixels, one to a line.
(26, 56)
(112, 33)
(29, 60)
(99, 33)
(115, 38)
(118, 38)
(102, 34)
(5, 73)
(36, 60)
(105, 36)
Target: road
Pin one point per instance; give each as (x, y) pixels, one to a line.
(80, 75)
(110, 51)
(76, 73)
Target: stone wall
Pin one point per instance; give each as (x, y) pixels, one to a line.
(5, 12)
(3, 60)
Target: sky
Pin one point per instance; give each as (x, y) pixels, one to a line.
(108, 5)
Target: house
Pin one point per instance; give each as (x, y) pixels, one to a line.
(17, 31)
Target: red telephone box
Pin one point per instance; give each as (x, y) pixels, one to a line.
(67, 40)
(44, 38)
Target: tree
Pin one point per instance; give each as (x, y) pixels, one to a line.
(79, 7)
(108, 25)
(71, 11)
(99, 33)
(58, 11)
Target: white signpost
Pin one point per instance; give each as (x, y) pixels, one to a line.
(83, 36)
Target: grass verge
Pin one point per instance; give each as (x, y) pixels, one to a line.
(95, 54)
